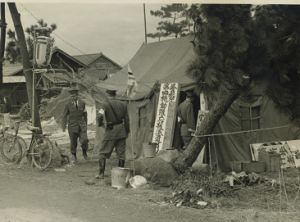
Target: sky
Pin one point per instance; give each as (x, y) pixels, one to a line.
(115, 29)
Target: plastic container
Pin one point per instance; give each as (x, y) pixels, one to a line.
(149, 150)
(272, 160)
(120, 177)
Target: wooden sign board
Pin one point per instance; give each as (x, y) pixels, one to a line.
(164, 126)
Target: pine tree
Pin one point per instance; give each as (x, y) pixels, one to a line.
(174, 21)
(230, 58)
(12, 48)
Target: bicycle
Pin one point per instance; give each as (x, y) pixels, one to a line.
(11, 146)
(40, 150)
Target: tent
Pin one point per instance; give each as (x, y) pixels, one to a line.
(166, 61)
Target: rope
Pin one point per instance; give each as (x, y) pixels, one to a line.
(246, 131)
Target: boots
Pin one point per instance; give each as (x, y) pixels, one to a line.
(102, 162)
(84, 154)
(75, 161)
(121, 163)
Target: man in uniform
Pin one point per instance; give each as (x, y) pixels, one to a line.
(186, 119)
(117, 130)
(77, 123)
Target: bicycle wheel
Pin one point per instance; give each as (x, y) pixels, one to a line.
(42, 152)
(10, 150)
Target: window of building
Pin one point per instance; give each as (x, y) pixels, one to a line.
(250, 117)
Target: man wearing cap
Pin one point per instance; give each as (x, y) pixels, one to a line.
(186, 118)
(117, 129)
(77, 123)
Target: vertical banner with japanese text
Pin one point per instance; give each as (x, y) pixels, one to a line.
(163, 131)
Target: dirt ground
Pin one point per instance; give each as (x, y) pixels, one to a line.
(33, 195)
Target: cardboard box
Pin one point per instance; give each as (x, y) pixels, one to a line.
(236, 166)
(253, 166)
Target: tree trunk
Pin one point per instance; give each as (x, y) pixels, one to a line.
(2, 42)
(189, 156)
(26, 62)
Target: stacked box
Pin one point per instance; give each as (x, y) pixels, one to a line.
(253, 166)
(271, 159)
(236, 166)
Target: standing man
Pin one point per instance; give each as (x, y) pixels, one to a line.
(77, 123)
(6, 110)
(187, 119)
(117, 130)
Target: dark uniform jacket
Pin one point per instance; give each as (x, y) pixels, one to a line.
(77, 118)
(120, 129)
(6, 108)
(186, 113)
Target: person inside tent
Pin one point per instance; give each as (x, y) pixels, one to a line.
(186, 119)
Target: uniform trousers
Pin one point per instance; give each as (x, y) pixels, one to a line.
(107, 147)
(83, 139)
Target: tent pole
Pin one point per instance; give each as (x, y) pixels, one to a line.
(131, 140)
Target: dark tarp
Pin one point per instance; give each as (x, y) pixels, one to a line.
(236, 146)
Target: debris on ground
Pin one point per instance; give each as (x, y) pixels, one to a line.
(200, 190)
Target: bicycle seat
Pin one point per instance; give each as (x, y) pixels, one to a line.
(33, 128)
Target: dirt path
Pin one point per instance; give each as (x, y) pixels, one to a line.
(31, 195)
(28, 194)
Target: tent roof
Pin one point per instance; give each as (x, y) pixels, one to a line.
(164, 61)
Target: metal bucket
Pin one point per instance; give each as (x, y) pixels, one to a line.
(149, 149)
(120, 177)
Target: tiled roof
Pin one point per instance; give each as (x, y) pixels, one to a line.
(11, 69)
(14, 79)
(89, 58)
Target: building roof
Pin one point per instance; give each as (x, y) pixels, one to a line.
(14, 79)
(56, 49)
(11, 69)
(89, 58)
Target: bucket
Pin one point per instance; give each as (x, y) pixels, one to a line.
(120, 177)
(149, 149)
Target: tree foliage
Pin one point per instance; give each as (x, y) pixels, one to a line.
(174, 21)
(12, 48)
(239, 46)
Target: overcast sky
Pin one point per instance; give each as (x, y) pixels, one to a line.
(115, 29)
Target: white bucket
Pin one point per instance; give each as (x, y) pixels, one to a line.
(120, 177)
(149, 149)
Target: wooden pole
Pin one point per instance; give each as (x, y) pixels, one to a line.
(145, 24)
(26, 62)
(2, 43)
(133, 163)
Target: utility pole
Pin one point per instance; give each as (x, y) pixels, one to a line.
(145, 25)
(27, 69)
(2, 41)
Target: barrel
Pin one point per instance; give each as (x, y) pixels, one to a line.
(149, 149)
(120, 177)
